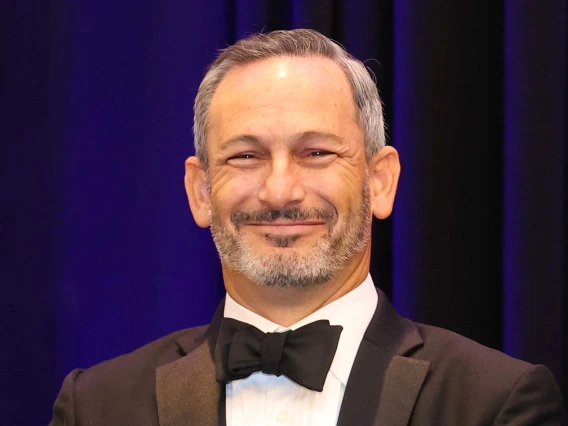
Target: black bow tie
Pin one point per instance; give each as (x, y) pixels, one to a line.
(303, 355)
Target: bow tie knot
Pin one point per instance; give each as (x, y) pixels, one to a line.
(303, 355)
(271, 352)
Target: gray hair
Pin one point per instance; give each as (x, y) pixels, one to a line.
(301, 42)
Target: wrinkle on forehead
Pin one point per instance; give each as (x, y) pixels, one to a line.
(304, 85)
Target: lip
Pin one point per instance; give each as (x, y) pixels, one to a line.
(286, 227)
(287, 223)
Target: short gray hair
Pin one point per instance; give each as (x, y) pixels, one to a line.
(301, 42)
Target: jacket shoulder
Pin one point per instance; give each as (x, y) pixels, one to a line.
(460, 359)
(450, 351)
(470, 381)
(123, 388)
(147, 357)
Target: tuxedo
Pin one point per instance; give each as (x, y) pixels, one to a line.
(404, 373)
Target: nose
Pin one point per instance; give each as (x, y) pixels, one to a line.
(283, 186)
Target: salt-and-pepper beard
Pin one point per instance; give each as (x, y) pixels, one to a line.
(291, 267)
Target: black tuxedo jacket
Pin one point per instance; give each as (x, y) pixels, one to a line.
(404, 374)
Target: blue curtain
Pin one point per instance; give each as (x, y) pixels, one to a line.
(100, 254)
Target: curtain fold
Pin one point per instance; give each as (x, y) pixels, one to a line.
(101, 255)
(534, 256)
(447, 220)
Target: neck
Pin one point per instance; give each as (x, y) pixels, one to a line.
(287, 306)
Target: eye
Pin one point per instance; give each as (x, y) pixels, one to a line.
(320, 153)
(241, 157)
(318, 157)
(244, 161)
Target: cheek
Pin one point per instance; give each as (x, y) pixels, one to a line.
(234, 192)
(338, 190)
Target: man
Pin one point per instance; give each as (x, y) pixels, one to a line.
(290, 166)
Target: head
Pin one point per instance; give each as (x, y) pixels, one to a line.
(290, 159)
(295, 43)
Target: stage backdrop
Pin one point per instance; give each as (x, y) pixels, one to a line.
(99, 251)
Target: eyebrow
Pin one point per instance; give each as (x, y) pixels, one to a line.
(303, 137)
(315, 135)
(239, 139)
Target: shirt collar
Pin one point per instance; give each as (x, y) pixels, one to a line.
(353, 312)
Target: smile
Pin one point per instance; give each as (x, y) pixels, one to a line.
(286, 227)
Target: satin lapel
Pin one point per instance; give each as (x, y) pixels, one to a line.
(186, 390)
(382, 388)
(384, 382)
(402, 383)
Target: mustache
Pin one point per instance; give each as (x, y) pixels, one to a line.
(293, 214)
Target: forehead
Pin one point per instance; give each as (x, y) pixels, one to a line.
(282, 91)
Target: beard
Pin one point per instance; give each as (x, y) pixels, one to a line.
(297, 268)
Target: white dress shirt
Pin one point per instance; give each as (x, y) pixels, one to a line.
(266, 400)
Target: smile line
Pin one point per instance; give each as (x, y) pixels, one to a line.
(286, 224)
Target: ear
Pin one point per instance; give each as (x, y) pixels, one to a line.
(384, 171)
(197, 192)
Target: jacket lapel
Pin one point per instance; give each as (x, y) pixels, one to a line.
(382, 389)
(186, 390)
(384, 383)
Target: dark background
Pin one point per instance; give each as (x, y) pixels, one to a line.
(99, 253)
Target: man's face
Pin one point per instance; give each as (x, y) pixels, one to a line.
(288, 181)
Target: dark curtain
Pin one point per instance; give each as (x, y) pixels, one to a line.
(99, 251)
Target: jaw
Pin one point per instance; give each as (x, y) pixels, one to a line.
(288, 305)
